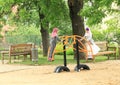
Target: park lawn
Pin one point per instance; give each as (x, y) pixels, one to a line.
(59, 60)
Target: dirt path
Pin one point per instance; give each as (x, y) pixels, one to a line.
(103, 73)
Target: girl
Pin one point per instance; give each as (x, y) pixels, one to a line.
(91, 46)
(53, 41)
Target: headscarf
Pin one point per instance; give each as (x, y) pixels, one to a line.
(54, 32)
(89, 31)
(88, 34)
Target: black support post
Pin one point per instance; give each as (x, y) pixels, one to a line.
(63, 68)
(77, 50)
(64, 51)
(79, 66)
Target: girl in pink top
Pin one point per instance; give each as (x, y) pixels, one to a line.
(53, 41)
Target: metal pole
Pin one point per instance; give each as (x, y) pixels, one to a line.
(77, 49)
(64, 51)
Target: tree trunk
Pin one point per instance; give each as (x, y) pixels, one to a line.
(75, 7)
(44, 34)
(45, 40)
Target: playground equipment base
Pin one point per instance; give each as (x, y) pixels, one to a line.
(61, 68)
(81, 67)
(77, 68)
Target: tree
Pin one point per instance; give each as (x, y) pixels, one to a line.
(92, 10)
(50, 13)
(46, 14)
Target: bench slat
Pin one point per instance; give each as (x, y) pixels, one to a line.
(106, 52)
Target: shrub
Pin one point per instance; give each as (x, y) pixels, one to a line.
(59, 49)
(115, 44)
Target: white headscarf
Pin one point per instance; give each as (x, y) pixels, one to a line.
(88, 34)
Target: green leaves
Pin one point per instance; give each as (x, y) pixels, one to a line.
(96, 10)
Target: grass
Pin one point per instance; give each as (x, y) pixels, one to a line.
(58, 60)
(43, 61)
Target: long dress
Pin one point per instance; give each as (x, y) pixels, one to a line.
(92, 48)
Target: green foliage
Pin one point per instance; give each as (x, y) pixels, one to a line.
(93, 16)
(17, 39)
(98, 35)
(24, 34)
(40, 50)
(109, 30)
(117, 36)
(54, 12)
(113, 28)
(22, 29)
(115, 44)
(59, 50)
(95, 10)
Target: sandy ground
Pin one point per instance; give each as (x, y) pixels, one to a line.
(102, 73)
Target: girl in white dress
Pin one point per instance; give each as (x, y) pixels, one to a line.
(92, 48)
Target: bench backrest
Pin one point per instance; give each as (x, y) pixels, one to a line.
(20, 49)
(102, 45)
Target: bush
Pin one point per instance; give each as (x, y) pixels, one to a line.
(59, 49)
(115, 44)
(98, 35)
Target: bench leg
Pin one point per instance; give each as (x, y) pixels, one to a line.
(115, 56)
(18, 57)
(9, 59)
(25, 56)
(2, 56)
(31, 57)
(14, 57)
(108, 57)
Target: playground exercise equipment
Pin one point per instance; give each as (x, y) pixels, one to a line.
(79, 46)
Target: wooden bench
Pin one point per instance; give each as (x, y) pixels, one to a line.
(105, 50)
(16, 50)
